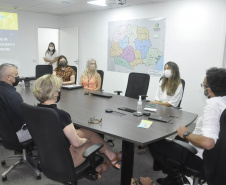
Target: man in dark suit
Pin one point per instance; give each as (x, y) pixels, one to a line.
(11, 99)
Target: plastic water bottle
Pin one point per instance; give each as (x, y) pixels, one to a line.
(139, 105)
(22, 84)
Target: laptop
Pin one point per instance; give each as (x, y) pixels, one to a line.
(101, 94)
(160, 118)
(72, 86)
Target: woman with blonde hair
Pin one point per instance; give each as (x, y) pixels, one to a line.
(91, 79)
(170, 90)
(47, 91)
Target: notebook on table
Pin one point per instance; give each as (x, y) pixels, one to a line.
(159, 118)
(101, 94)
(72, 86)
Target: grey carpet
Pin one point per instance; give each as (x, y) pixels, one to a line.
(23, 175)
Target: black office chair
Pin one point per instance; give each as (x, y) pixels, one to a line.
(137, 85)
(42, 70)
(183, 86)
(55, 157)
(214, 160)
(10, 141)
(75, 69)
(102, 77)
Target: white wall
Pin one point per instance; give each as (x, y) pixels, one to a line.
(194, 40)
(27, 42)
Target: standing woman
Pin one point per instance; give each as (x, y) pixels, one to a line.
(51, 55)
(91, 79)
(64, 71)
(170, 90)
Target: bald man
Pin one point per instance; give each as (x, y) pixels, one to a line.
(12, 99)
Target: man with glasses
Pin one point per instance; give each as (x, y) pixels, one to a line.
(11, 99)
(204, 136)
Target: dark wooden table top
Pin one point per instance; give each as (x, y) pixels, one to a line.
(81, 107)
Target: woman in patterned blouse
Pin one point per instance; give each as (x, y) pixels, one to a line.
(91, 79)
(64, 71)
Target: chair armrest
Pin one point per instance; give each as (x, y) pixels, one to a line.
(143, 97)
(185, 152)
(186, 146)
(92, 150)
(177, 107)
(118, 92)
(168, 139)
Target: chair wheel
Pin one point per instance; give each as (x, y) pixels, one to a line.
(4, 178)
(3, 163)
(38, 177)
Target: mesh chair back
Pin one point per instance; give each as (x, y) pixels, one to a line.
(137, 85)
(43, 70)
(75, 69)
(52, 145)
(7, 131)
(102, 77)
(214, 160)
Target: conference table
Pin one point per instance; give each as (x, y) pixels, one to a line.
(120, 124)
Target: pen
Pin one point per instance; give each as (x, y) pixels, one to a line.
(173, 116)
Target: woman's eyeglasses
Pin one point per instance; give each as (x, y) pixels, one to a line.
(202, 85)
(93, 120)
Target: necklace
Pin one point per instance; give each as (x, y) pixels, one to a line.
(89, 79)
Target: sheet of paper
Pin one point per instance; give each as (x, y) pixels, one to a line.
(73, 85)
(145, 124)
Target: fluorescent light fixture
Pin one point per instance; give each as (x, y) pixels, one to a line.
(63, 2)
(98, 2)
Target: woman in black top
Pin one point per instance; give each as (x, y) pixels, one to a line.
(47, 91)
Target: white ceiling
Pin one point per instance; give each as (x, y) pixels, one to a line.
(65, 7)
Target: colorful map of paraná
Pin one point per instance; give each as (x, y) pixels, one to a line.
(136, 45)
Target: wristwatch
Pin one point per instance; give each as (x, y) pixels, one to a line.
(186, 134)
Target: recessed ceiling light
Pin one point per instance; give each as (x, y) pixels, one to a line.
(98, 2)
(63, 2)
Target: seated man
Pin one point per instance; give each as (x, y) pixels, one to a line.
(204, 135)
(12, 99)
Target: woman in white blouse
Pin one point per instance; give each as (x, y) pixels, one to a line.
(51, 55)
(170, 90)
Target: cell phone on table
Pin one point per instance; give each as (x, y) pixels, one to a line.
(127, 109)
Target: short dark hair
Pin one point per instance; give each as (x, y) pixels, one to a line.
(216, 80)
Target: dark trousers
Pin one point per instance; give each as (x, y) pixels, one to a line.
(162, 149)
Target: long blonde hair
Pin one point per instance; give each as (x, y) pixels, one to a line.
(175, 79)
(87, 70)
